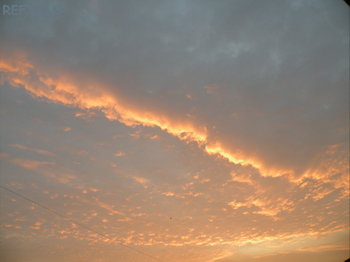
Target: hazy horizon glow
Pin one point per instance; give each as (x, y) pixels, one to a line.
(189, 130)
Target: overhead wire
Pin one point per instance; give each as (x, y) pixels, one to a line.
(77, 223)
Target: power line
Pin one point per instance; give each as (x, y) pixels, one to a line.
(77, 223)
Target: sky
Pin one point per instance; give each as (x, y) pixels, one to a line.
(183, 131)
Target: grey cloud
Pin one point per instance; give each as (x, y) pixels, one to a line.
(281, 67)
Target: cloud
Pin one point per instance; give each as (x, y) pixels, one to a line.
(119, 153)
(66, 128)
(229, 117)
(29, 164)
(324, 247)
(39, 151)
(293, 256)
(131, 114)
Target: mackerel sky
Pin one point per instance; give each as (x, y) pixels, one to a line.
(192, 131)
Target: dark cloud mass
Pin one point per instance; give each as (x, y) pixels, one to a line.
(280, 67)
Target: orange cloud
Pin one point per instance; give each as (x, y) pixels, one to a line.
(142, 181)
(61, 90)
(324, 247)
(109, 208)
(43, 152)
(29, 164)
(241, 178)
(119, 153)
(240, 157)
(66, 128)
(65, 90)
